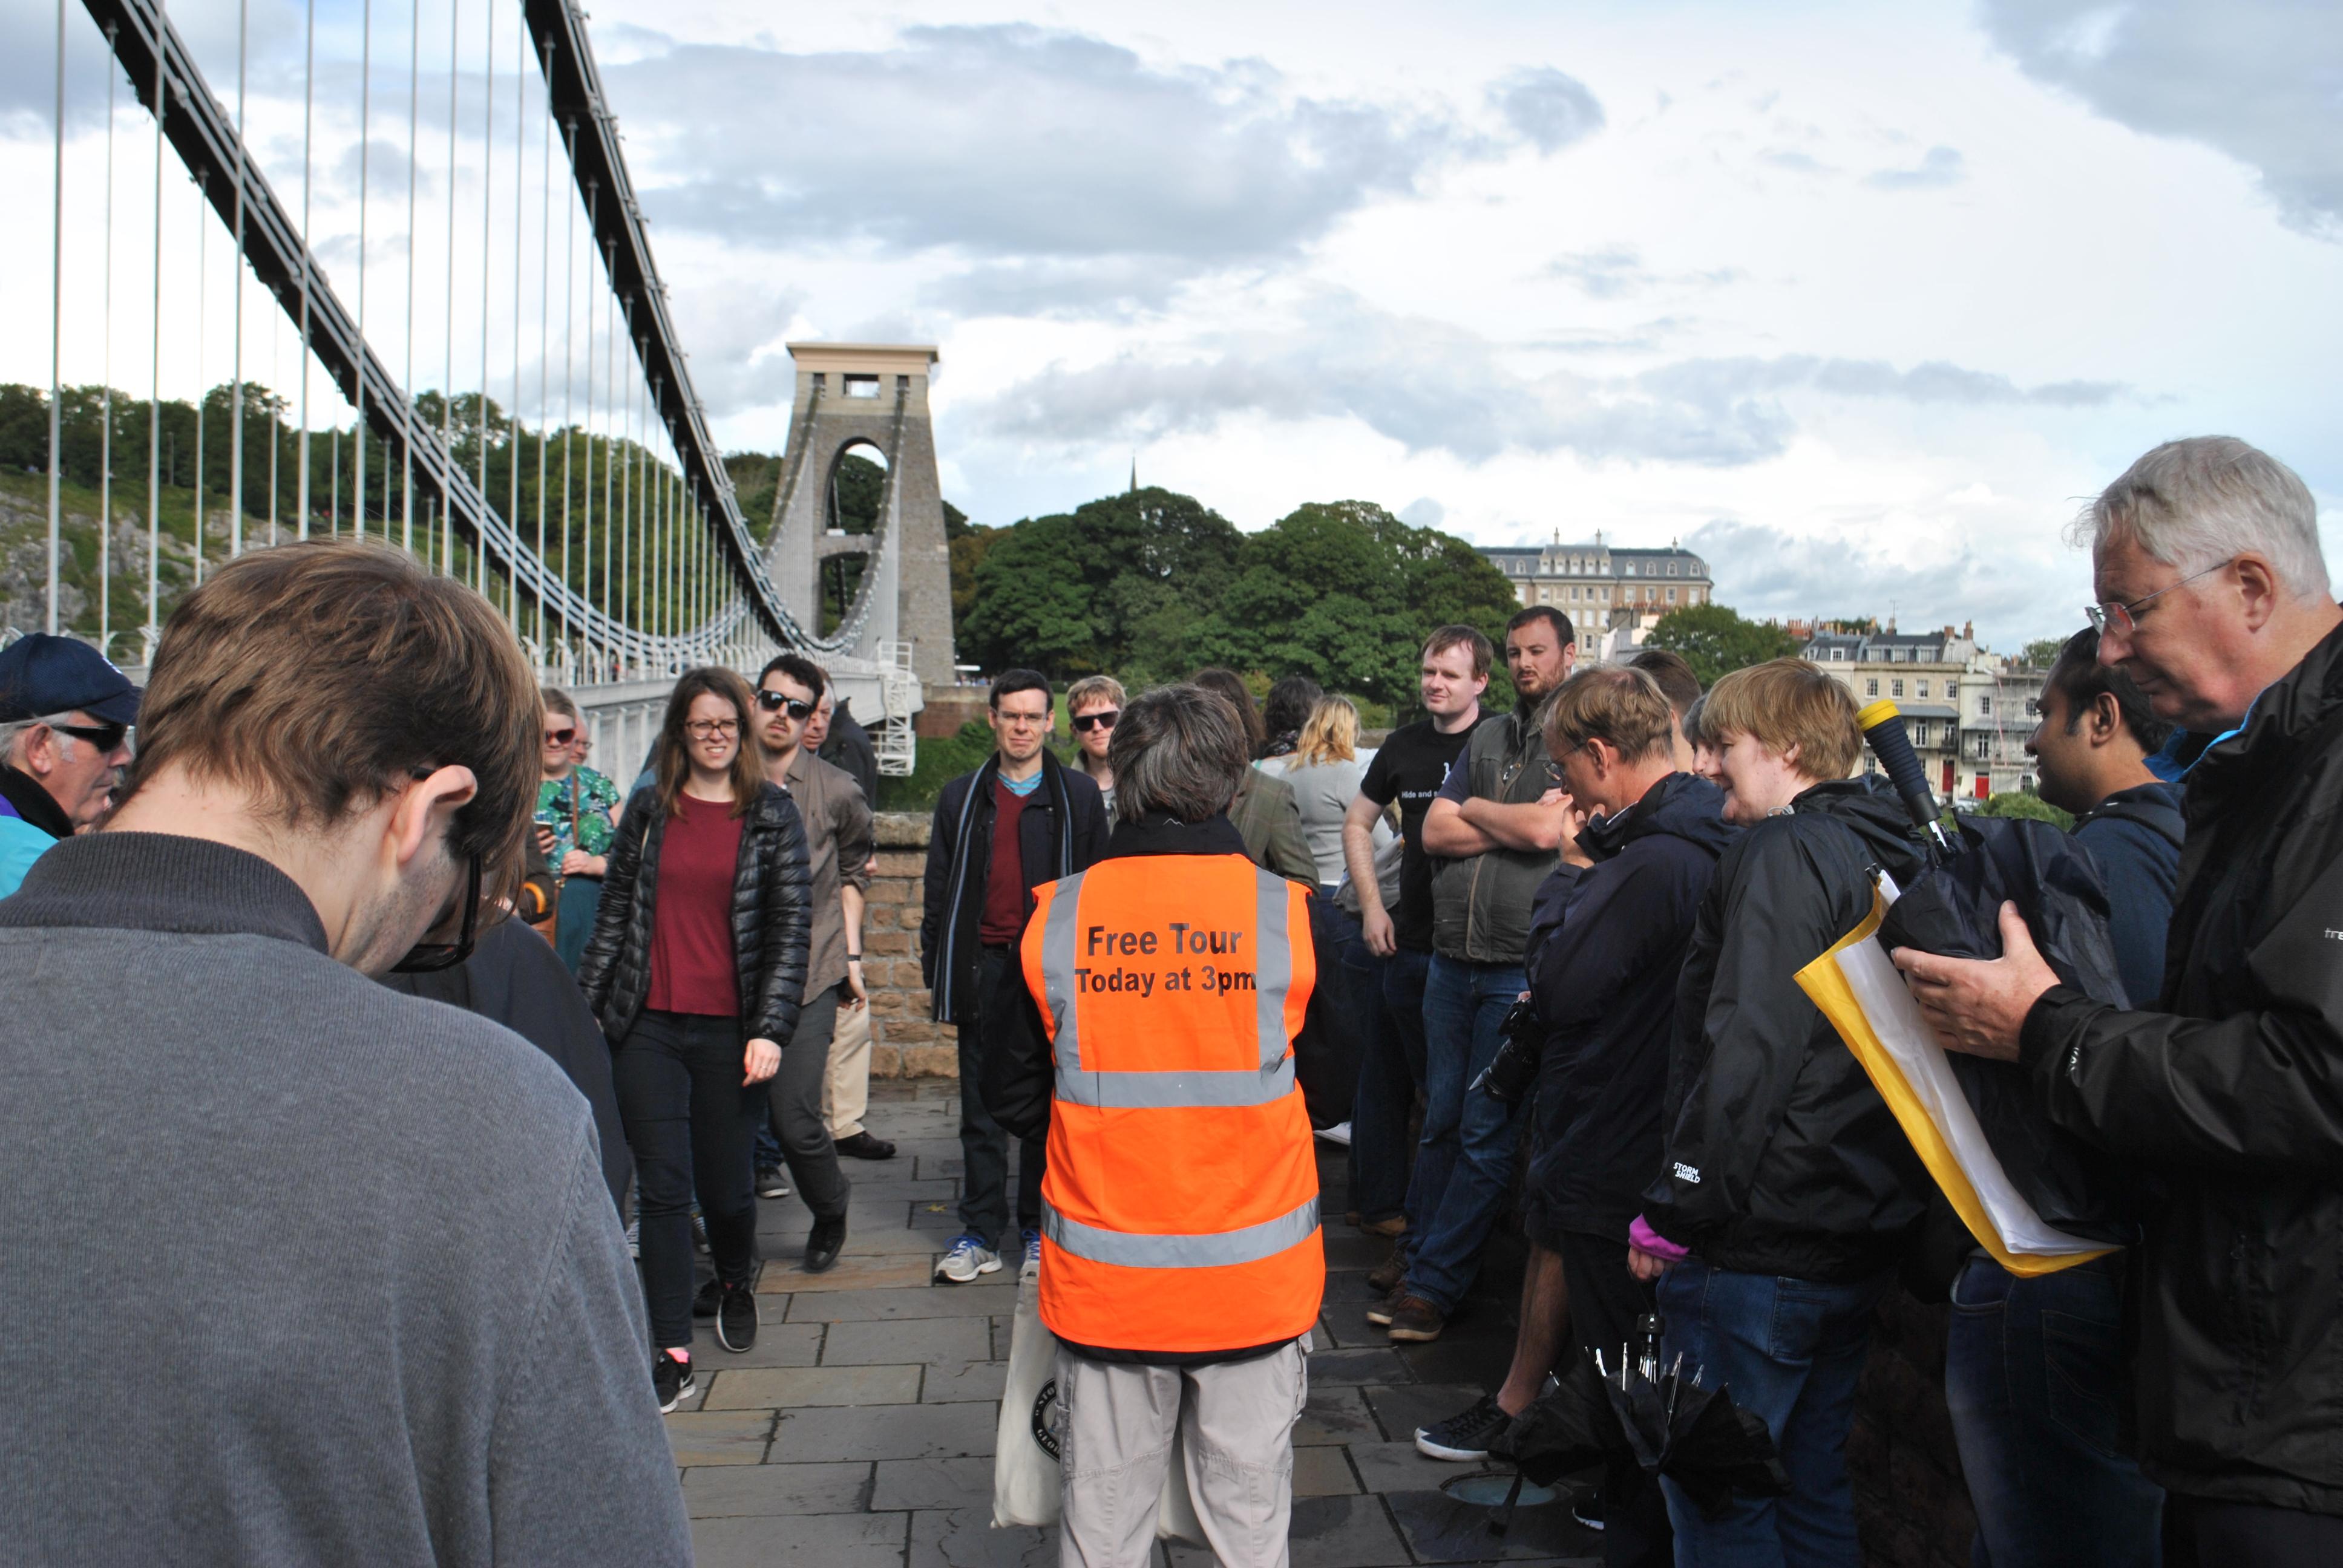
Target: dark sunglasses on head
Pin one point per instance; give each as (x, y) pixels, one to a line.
(427, 958)
(105, 737)
(560, 737)
(774, 701)
(1102, 719)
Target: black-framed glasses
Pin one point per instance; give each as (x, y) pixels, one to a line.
(2123, 620)
(429, 957)
(775, 702)
(713, 729)
(1102, 719)
(105, 737)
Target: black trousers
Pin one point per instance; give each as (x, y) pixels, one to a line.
(690, 1122)
(1605, 1299)
(984, 1142)
(2205, 1532)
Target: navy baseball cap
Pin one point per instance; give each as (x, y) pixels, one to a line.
(41, 675)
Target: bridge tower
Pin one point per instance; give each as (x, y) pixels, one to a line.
(868, 394)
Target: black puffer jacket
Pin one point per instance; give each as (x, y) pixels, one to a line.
(2230, 1088)
(1780, 1157)
(772, 912)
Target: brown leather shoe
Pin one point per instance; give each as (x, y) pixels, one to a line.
(1385, 1276)
(1415, 1320)
(1380, 1314)
(1394, 1226)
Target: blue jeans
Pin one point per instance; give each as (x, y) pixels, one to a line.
(2033, 1371)
(1791, 1351)
(1384, 1092)
(1465, 1166)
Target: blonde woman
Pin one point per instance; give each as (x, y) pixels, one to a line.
(1093, 704)
(1324, 772)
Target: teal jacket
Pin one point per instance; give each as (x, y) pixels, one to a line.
(29, 823)
(21, 844)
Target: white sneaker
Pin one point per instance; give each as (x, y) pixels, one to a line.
(969, 1258)
(1338, 1133)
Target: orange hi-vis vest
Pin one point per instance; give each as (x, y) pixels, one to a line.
(1180, 1203)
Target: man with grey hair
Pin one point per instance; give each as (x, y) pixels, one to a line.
(2212, 596)
(65, 738)
(1182, 1265)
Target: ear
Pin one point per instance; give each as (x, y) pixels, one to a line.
(2105, 721)
(2257, 589)
(425, 805)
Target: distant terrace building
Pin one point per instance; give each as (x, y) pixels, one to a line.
(1613, 594)
(1967, 712)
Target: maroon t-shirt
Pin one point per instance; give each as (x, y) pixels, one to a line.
(1004, 881)
(691, 918)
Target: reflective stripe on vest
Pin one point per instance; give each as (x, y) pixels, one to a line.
(1129, 1250)
(1272, 977)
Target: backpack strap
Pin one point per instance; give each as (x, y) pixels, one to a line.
(2153, 815)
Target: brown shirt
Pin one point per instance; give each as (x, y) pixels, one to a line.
(839, 839)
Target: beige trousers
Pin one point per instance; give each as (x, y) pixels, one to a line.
(846, 1085)
(1237, 1420)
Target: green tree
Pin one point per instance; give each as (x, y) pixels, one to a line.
(2042, 652)
(2024, 803)
(1716, 640)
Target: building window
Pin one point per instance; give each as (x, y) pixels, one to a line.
(861, 386)
(1838, 656)
(1672, 568)
(1871, 686)
(1983, 747)
(1894, 688)
(1671, 596)
(1985, 705)
(1924, 689)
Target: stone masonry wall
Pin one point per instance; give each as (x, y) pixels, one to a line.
(905, 1041)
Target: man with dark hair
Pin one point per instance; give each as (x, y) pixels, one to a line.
(2035, 1369)
(839, 740)
(1497, 829)
(1679, 685)
(1408, 770)
(65, 716)
(378, 1212)
(1016, 823)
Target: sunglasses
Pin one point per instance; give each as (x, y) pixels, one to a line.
(429, 957)
(560, 737)
(1102, 719)
(105, 737)
(775, 702)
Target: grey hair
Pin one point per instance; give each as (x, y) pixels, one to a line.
(1177, 749)
(2194, 502)
(10, 731)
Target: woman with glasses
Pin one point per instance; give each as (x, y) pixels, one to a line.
(1093, 703)
(576, 813)
(694, 968)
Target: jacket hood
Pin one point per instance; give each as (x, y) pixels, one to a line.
(1869, 805)
(1680, 805)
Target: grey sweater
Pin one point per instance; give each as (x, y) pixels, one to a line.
(298, 1270)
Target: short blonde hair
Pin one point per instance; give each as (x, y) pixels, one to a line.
(1613, 703)
(1785, 703)
(1331, 734)
(1091, 688)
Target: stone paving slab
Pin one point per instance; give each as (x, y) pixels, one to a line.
(925, 1300)
(779, 1343)
(886, 1431)
(933, 1339)
(848, 1275)
(965, 1538)
(944, 1484)
(802, 1540)
(726, 1492)
(720, 1437)
(790, 1387)
(1439, 1529)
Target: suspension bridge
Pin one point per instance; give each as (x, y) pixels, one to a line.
(562, 461)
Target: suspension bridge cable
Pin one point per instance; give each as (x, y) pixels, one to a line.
(407, 406)
(308, 116)
(155, 389)
(544, 342)
(487, 210)
(448, 383)
(585, 495)
(57, 332)
(105, 386)
(512, 442)
(203, 317)
(236, 357)
(365, 123)
(568, 363)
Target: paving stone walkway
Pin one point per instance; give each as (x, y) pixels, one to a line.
(859, 1429)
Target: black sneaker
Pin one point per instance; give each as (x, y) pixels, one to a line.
(736, 1317)
(823, 1244)
(703, 1305)
(671, 1381)
(862, 1146)
(700, 1233)
(1586, 1507)
(769, 1183)
(1463, 1438)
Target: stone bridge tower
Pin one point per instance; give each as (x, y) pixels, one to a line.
(868, 394)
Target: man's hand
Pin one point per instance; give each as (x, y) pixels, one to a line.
(760, 1060)
(854, 985)
(1383, 937)
(1977, 1006)
(578, 863)
(1646, 1266)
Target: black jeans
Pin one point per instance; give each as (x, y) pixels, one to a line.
(984, 1142)
(1605, 1299)
(689, 1121)
(794, 1095)
(2203, 1532)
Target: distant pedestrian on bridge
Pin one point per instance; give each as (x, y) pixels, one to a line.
(330, 1231)
(577, 816)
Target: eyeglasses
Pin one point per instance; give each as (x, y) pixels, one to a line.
(1004, 716)
(713, 729)
(775, 702)
(427, 958)
(1103, 719)
(2123, 620)
(105, 737)
(560, 737)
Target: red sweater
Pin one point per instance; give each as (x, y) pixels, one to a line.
(691, 918)
(1003, 920)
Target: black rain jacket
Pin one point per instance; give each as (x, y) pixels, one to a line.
(1604, 984)
(1780, 1157)
(772, 917)
(2231, 1090)
(1061, 829)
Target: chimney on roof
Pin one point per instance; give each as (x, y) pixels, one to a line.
(1968, 630)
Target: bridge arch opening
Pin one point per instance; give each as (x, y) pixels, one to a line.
(852, 499)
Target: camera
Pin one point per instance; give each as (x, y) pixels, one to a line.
(1510, 1075)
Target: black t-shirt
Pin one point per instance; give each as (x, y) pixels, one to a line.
(1410, 769)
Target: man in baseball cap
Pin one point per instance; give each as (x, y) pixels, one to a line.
(65, 715)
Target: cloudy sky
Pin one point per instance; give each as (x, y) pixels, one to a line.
(1857, 300)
